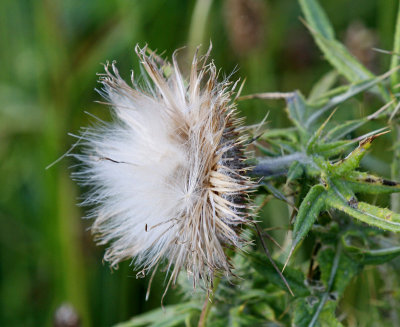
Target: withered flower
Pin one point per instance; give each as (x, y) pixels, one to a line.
(167, 176)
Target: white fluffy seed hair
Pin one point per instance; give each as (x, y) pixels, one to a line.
(167, 175)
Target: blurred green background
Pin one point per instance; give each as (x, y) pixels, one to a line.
(50, 52)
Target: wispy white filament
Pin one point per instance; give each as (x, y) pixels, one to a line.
(167, 175)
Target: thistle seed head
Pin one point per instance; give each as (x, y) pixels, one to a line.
(167, 176)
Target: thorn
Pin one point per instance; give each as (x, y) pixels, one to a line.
(69, 150)
(386, 51)
(268, 254)
(326, 121)
(373, 137)
(396, 109)
(272, 239)
(367, 135)
(380, 110)
(382, 133)
(258, 126)
(268, 96)
(288, 258)
(240, 89)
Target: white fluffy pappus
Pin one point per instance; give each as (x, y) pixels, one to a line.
(167, 176)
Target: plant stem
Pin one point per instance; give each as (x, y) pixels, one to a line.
(324, 298)
(208, 303)
(259, 232)
(394, 79)
(395, 197)
(278, 166)
(198, 24)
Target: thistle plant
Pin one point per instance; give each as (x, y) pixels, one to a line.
(167, 177)
(175, 184)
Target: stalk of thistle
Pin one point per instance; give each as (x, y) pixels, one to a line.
(167, 175)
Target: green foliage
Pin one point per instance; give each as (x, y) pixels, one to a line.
(317, 163)
(172, 315)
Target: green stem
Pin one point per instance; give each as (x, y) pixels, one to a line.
(332, 276)
(198, 24)
(279, 165)
(208, 303)
(394, 79)
(395, 174)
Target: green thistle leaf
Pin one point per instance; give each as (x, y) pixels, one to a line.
(369, 214)
(361, 182)
(309, 210)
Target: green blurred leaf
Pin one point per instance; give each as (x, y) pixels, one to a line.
(295, 171)
(317, 18)
(264, 150)
(334, 51)
(315, 138)
(396, 49)
(305, 309)
(297, 109)
(328, 150)
(345, 93)
(365, 255)
(275, 192)
(264, 310)
(337, 54)
(287, 133)
(345, 271)
(322, 86)
(239, 318)
(170, 316)
(344, 129)
(337, 270)
(20, 114)
(328, 318)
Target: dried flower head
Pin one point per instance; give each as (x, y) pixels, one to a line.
(167, 175)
